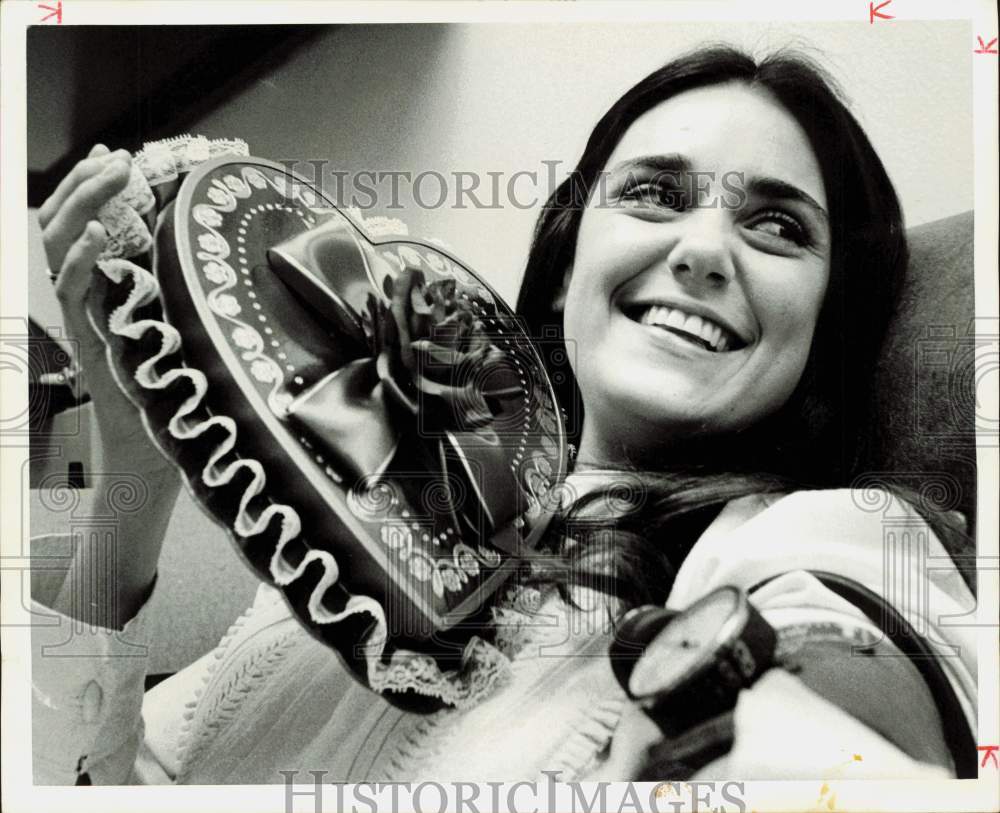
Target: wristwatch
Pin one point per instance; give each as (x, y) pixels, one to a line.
(687, 668)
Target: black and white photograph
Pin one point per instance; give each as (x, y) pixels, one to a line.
(500, 406)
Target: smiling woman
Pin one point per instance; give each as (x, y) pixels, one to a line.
(748, 194)
(722, 301)
(648, 278)
(722, 267)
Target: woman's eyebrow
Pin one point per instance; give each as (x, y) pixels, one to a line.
(782, 190)
(671, 162)
(764, 186)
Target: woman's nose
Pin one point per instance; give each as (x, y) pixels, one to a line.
(701, 252)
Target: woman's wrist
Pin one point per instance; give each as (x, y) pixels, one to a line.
(113, 571)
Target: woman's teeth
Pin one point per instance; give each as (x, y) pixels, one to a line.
(712, 336)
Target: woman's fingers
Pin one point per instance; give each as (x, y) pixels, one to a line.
(98, 156)
(75, 273)
(100, 183)
(633, 737)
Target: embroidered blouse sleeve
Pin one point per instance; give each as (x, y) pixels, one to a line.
(90, 713)
(87, 688)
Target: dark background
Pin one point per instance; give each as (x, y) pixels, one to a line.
(150, 82)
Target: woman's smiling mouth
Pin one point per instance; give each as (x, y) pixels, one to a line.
(700, 330)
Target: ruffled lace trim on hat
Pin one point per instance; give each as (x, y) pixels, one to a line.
(124, 216)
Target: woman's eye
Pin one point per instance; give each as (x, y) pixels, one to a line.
(781, 226)
(654, 194)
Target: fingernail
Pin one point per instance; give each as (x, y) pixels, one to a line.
(92, 231)
(121, 156)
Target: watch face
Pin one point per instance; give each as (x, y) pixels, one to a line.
(685, 644)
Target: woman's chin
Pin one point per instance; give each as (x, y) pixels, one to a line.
(644, 418)
(658, 395)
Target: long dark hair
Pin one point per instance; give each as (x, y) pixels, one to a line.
(817, 439)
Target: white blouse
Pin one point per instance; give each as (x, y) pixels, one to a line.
(271, 698)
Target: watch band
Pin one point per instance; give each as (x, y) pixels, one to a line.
(681, 757)
(731, 658)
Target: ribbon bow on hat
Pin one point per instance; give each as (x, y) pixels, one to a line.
(430, 391)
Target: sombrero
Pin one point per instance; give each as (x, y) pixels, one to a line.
(361, 411)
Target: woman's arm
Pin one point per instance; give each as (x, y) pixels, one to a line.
(812, 724)
(88, 667)
(831, 712)
(109, 578)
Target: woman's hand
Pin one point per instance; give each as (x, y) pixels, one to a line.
(74, 240)
(634, 736)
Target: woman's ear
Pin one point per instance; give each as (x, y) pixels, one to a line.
(559, 300)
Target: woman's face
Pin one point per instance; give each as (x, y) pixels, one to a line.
(699, 272)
